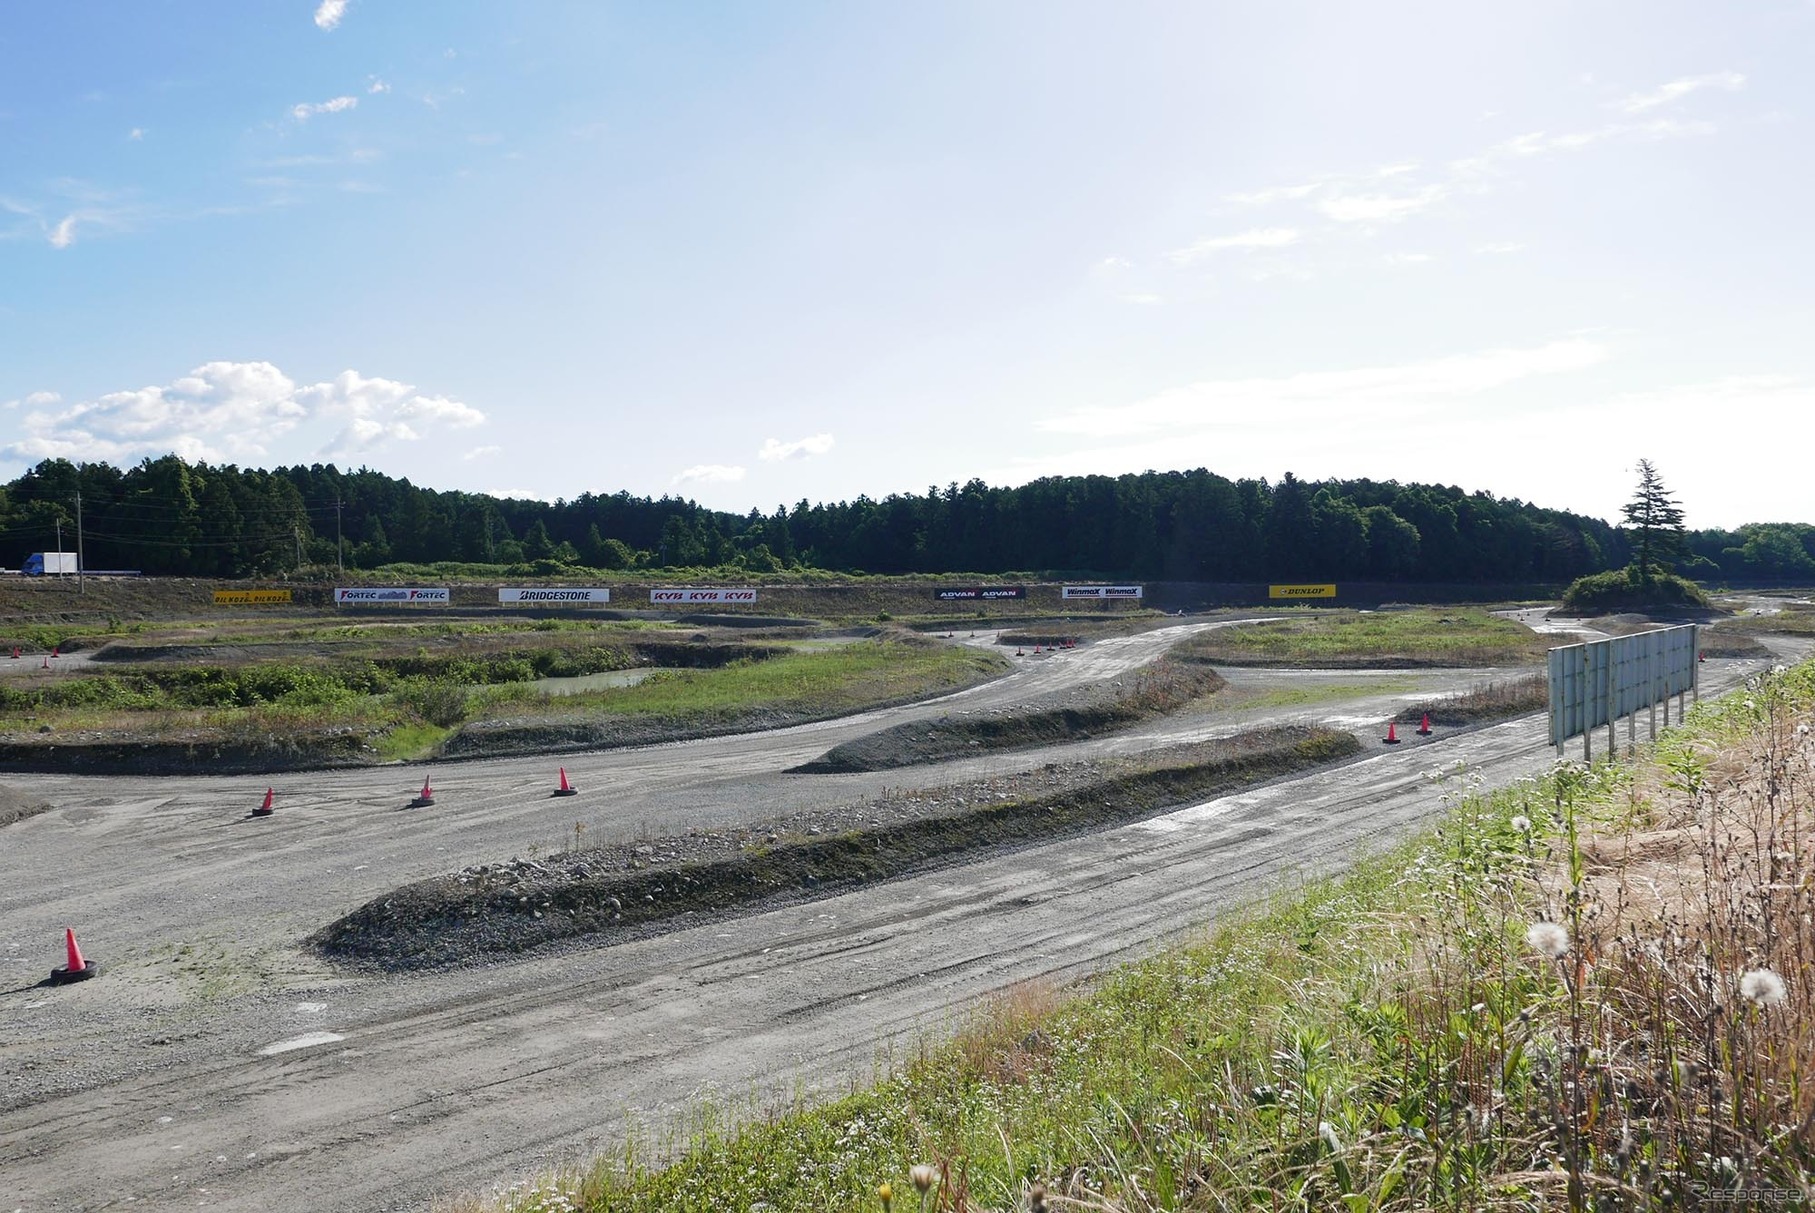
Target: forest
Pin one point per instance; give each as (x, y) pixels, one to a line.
(170, 517)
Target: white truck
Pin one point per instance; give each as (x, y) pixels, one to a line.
(39, 564)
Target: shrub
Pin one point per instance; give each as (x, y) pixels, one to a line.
(1623, 590)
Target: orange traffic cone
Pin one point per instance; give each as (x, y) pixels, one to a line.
(1702, 656)
(566, 789)
(15, 652)
(1392, 733)
(46, 664)
(56, 650)
(1424, 730)
(77, 969)
(426, 797)
(1019, 653)
(265, 809)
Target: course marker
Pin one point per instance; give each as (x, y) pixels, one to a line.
(1424, 730)
(424, 798)
(1392, 734)
(566, 789)
(265, 809)
(78, 969)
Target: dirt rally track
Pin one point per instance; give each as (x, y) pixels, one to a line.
(214, 1064)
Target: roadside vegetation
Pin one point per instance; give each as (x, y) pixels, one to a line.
(1586, 991)
(1497, 700)
(1449, 636)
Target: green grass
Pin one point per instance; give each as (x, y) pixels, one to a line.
(1387, 1040)
(1454, 636)
(1315, 693)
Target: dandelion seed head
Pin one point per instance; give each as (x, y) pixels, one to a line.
(1548, 939)
(1763, 987)
(923, 1175)
(1522, 823)
(1327, 1131)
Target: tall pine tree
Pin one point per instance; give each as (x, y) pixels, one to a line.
(1656, 520)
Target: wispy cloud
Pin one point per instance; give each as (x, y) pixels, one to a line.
(1145, 300)
(303, 111)
(1380, 208)
(708, 473)
(378, 86)
(64, 234)
(329, 12)
(1503, 246)
(1664, 94)
(1256, 238)
(136, 134)
(772, 450)
(233, 411)
(1313, 397)
(482, 452)
(1278, 193)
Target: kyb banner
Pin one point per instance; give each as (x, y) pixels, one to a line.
(1301, 591)
(249, 597)
(1101, 591)
(391, 594)
(553, 597)
(982, 593)
(702, 595)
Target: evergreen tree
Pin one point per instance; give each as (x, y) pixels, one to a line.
(1656, 520)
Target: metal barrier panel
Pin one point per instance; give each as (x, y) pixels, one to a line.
(1599, 681)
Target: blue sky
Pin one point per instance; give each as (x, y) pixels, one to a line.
(750, 253)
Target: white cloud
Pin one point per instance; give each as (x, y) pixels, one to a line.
(815, 444)
(1144, 300)
(1278, 193)
(519, 494)
(378, 86)
(136, 133)
(1664, 94)
(1503, 246)
(64, 234)
(708, 473)
(1408, 258)
(482, 452)
(329, 12)
(1115, 263)
(232, 411)
(1379, 208)
(305, 110)
(1256, 238)
(1315, 397)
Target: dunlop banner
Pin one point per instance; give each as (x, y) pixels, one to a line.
(702, 596)
(1301, 591)
(392, 594)
(249, 597)
(553, 596)
(1101, 591)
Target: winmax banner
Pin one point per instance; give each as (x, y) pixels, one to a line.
(553, 596)
(702, 596)
(392, 594)
(983, 593)
(249, 597)
(1301, 591)
(1101, 591)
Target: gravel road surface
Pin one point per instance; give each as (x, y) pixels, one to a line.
(215, 1064)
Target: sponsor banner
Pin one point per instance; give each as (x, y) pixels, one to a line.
(983, 593)
(1101, 591)
(553, 596)
(687, 596)
(1301, 591)
(391, 594)
(249, 597)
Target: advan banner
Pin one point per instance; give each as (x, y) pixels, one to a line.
(391, 594)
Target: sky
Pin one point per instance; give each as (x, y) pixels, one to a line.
(753, 253)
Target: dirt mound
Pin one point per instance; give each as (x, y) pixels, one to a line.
(490, 909)
(16, 805)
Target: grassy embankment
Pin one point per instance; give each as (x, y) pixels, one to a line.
(408, 705)
(1449, 636)
(1586, 991)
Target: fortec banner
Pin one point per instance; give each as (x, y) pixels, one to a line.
(980, 593)
(1101, 591)
(685, 596)
(391, 594)
(554, 597)
(1301, 591)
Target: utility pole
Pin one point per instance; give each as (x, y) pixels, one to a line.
(296, 530)
(80, 563)
(339, 559)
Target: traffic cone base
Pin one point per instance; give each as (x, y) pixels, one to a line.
(265, 809)
(1392, 733)
(566, 789)
(78, 968)
(1424, 729)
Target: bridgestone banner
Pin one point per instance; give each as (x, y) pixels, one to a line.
(1101, 591)
(981, 593)
(392, 594)
(1301, 591)
(249, 597)
(552, 596)
(689, 596)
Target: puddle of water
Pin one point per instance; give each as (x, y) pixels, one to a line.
(306, 1041)
(595, 682)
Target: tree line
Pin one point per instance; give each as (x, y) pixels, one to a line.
(170, 517)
